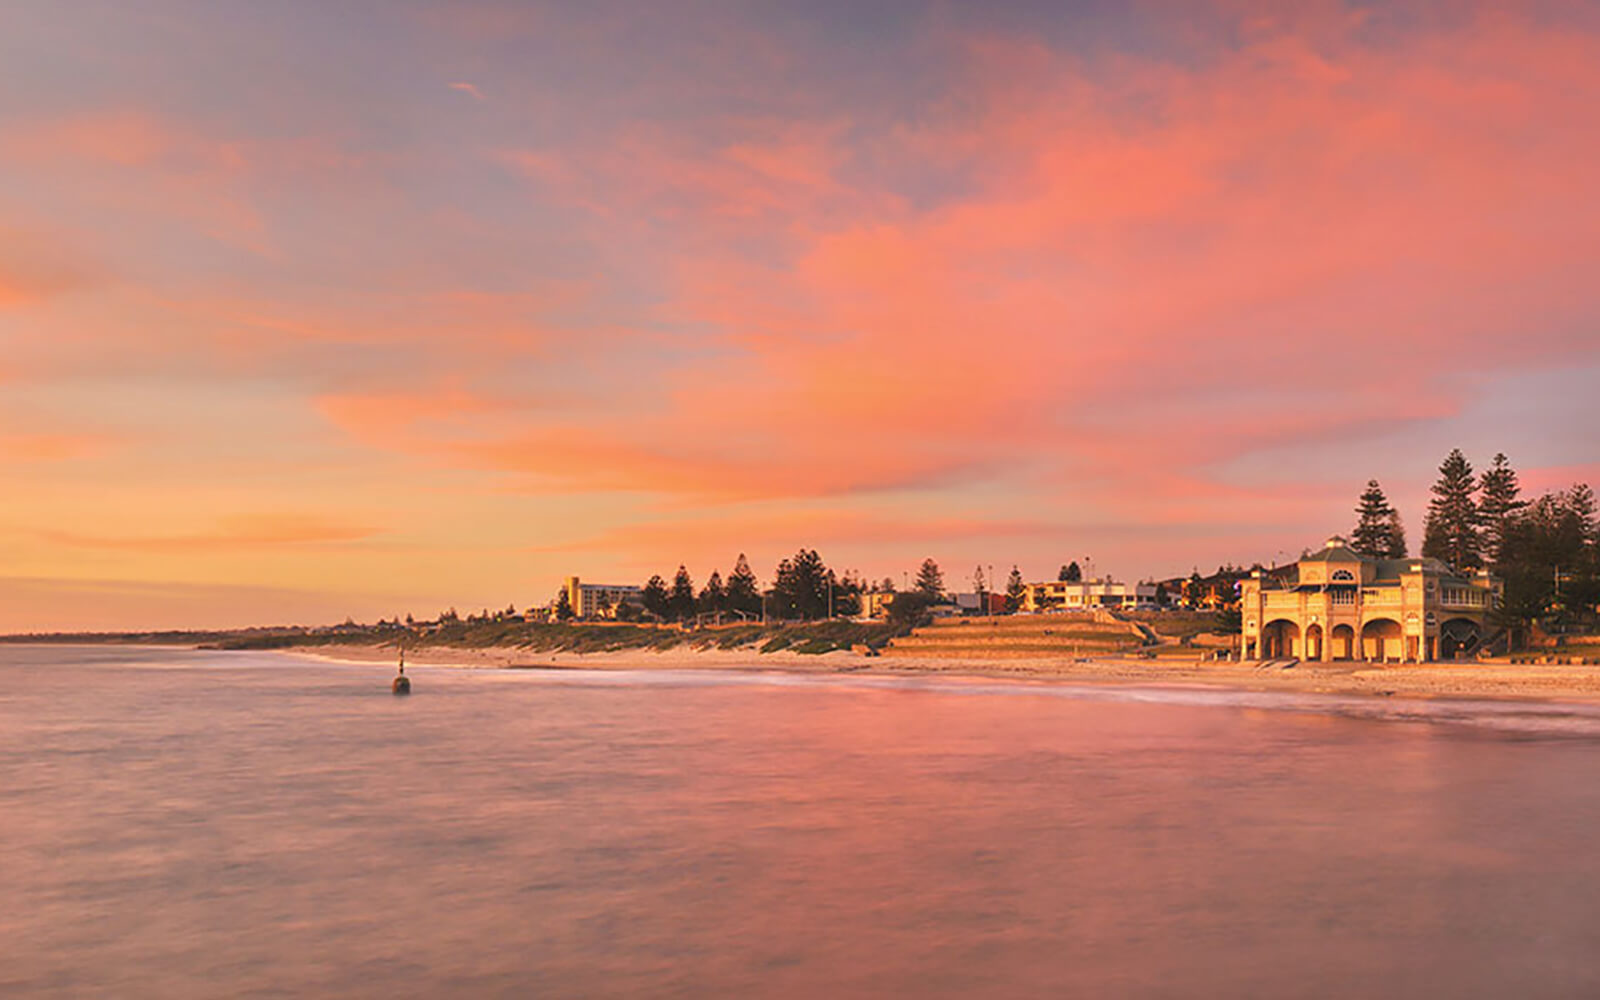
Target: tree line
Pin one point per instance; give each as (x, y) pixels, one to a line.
(1545, 549)
(803, 587)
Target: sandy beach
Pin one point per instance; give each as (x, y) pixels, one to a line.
(1455, 680)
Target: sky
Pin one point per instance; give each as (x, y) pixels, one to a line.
(311, 310)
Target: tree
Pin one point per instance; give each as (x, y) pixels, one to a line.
(887, 586)
(1193, 590)
(1016, 591)
(980, 586)
(1498, 503)
(1070, 573)
(1229, 621)
(847, 591)
(1378, 533)
(1451, 531)
(1548, 558)
(654, 597)
(564, 610)
(930, 582)
(910, 609)
(743, 593)
(713, 598)
(680, 602)
(800, 588)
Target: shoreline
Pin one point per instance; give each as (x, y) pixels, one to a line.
(1473, 680)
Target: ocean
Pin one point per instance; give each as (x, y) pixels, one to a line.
(177, 823)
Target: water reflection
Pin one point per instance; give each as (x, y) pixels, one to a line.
(194, 824)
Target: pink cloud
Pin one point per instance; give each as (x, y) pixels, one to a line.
(242, 531)
(1019, 285)
(1160, 267)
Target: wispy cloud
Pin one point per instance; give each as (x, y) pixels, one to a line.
(243, 531)
(703, 273)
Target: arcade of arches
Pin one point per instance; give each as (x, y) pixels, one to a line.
(1340, 605)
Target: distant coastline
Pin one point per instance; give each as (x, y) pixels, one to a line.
(800, 648)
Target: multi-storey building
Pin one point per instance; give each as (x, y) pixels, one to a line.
(1338, 604)
(600, 600)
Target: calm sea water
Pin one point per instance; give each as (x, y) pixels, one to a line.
(181, 824)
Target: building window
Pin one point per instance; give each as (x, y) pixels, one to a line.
(1342, 597)
(1343, 574)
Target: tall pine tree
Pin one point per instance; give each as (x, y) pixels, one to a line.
(1016, 590)
(743, 593)
(654, 596)
(1378, 533)
(800, 588)
(681, 601)
(1499, 502)
(713, 597)
(930, 581)
(1451, 531)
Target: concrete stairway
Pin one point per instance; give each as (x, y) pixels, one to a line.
(1019, 637)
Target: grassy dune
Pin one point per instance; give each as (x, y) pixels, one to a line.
(589, 637)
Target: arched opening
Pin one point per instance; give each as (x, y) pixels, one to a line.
(1458, 638)
(1280, 639)
(1344, 642)
(1382, 639)
(1312, 646)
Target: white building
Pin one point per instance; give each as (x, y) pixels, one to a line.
(1085, 595)
(600, 600)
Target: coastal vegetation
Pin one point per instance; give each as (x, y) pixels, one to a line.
(1378, 532)
(584, 637)
(1546, 550)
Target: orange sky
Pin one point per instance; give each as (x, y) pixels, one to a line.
(387, 308)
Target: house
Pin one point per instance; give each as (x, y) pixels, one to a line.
(975, 603)
(1084, 595)
(1338, 604)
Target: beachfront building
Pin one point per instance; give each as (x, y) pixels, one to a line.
(1337, 604)
(600, 600)
(1086, 595)
(875, 604)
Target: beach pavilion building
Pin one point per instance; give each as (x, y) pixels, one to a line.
(1338, 604)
